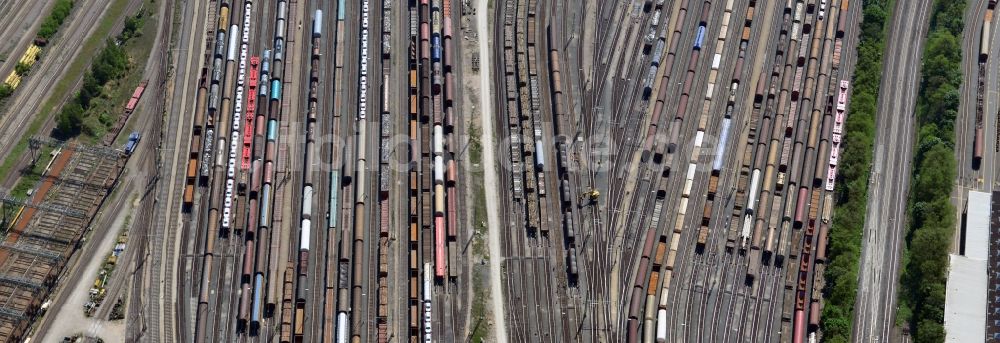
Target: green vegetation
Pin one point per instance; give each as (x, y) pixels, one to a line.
(118, 312)
(109, 66)
(479, 328)
(55, 19)
(104, 103)
(479, 193)
(932, 216)
(89, 51)
(109, 108)
(480, 325)
(29, 179)
(479, 218)
(48, 29)
(479, 247)
(852, 187)
(22, 68)
(5, 91)
(475, 146)
(132, 28)
(33, 173)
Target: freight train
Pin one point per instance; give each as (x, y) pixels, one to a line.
(763, 177)
(984, 54)
(837, 134)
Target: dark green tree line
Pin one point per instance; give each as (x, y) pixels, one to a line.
(109, 65)
(55, 19)
(932, 215)
(844, 249)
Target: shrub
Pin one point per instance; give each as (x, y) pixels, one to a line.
(55, 19)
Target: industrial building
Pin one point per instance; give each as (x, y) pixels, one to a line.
(965, 310)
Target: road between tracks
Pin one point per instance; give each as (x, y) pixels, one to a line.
(490, 171)
(68, 309)
(890, 175)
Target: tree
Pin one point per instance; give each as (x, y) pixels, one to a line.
(22, 68)
(5, 90)
(48, 29)
(929, 332)
(131, 28)
(936, 174)
(838, 328)
(55, 19)
(91, 89)
(110, 64)
(932, 216)
(70, 119)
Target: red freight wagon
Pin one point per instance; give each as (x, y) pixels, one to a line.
(439, 253)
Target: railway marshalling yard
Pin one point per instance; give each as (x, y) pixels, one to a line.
(449, 170)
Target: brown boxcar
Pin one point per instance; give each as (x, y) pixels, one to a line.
(188, 194)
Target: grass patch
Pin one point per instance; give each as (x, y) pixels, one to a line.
(479, 217)
(478, 192)
(95, 109)
(480, 323)
(480, 329)
(90, 49)
(31, 175)
(105, 111)
(475, 145)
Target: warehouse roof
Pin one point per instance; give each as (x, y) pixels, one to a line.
(977, 228)
(965, 301)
